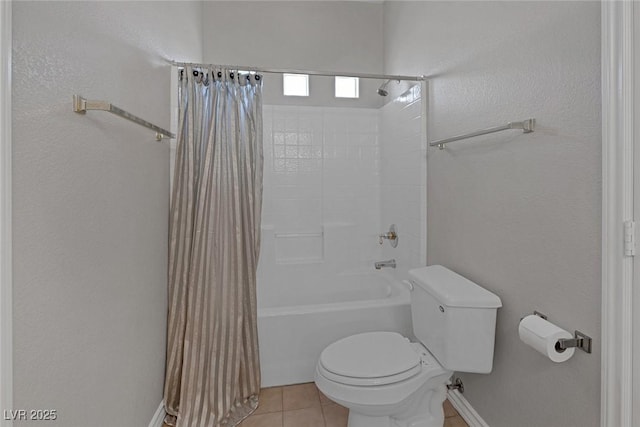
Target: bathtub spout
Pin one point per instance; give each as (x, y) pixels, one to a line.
(391, 263)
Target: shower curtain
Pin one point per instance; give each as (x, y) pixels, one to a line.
(213, 373)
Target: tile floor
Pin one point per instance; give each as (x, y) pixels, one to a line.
(303, 405)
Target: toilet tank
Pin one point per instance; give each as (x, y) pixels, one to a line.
(454, 318)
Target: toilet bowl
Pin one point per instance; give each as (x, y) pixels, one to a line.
(381, 376)
(387, 381)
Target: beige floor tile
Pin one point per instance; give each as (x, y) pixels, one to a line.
(335, 415)
(456, 421)
(324, 400)
(300, 396)
(308, 417)
(270, 400)
(449, 410)
(264, 420)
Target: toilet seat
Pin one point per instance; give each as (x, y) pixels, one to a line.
(370, 359)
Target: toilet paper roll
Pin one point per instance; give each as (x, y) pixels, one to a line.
(543, 336)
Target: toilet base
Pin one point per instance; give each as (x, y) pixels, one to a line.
(424, 409)
(360, 420)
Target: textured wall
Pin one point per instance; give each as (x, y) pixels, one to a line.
(344, 36)
(518, 214)
(307, 35)
(90, 206)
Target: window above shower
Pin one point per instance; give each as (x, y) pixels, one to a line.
(298, 85)
(310, 90)
(347, 87)
(295, 84)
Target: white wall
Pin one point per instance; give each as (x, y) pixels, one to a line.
(518, 214)
(90, 199)
(307, 35)
(316, 35)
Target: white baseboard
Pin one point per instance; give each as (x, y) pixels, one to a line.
(158, 417)
(465, 409)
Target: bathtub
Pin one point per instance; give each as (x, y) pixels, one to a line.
(294, 327)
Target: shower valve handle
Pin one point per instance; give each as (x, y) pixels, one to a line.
(391, 236)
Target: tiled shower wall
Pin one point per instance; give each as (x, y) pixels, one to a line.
(334, 179)
(321, 185)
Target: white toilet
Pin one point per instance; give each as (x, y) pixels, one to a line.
(387, 381)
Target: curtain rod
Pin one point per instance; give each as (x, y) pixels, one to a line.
(309, 72)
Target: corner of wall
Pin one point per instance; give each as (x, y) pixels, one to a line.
(158, 417)
(464, 408)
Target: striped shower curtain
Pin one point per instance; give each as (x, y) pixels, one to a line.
(213, 373)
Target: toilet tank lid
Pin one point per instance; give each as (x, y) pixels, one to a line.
(453, 290)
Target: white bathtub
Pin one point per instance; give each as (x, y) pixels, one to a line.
(294, 327)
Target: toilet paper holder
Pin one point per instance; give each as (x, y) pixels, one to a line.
(579, 340)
